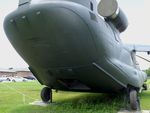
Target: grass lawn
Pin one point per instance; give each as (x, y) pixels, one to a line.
(15, 98)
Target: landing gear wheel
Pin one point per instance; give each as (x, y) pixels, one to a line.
(46, 94)
(133, 99)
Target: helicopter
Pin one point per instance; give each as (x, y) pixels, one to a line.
(75, 45)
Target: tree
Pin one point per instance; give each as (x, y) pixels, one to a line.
(147, 71)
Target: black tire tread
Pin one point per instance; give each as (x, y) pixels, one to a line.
(46, 94)
(133, 100)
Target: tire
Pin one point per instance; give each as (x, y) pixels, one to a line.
(13, 80)
(8, 79)
(46, 94)
(133, 100)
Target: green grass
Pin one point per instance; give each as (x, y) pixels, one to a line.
(145, 97)
(15, 98)
(148, 82)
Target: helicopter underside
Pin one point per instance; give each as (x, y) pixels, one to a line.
(60, 48)
(86, 79)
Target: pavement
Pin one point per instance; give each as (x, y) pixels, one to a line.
(39, 103)
(126, 111)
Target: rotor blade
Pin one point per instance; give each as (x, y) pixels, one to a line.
(143, 58)
(22, 2)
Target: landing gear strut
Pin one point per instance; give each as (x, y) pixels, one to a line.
(46, 94)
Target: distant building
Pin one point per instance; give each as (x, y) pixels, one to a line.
(24, 73)
(15, 72)
(7, 73)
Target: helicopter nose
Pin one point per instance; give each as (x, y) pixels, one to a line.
(50, 35)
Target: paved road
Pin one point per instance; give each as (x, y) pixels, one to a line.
(143, 111)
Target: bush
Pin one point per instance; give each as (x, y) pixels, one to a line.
(147, 71)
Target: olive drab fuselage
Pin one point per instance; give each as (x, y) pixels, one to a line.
(69, 46)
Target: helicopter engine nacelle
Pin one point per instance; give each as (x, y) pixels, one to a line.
(111, 12)
(120, 21)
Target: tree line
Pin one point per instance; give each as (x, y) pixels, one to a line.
(147, 72)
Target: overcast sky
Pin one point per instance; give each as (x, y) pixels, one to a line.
(137, 12)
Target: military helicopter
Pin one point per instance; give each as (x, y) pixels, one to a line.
(75, 45)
